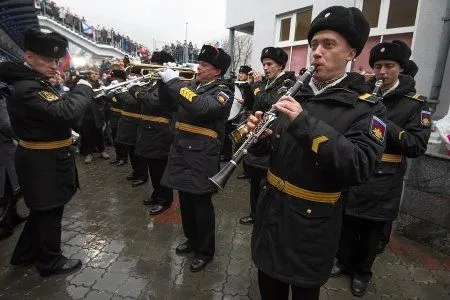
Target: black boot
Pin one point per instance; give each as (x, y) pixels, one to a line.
(360, 283)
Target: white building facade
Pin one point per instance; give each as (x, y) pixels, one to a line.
(420, 23)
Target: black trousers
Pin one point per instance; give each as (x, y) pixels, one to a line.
(197, 213)
(227, 148)
(274, 289)
(138, 163)
(8, 205)
(121, 149)
(40, 239)
(358, 244)
(256, 176)
(162, 194)
(386, 233)
(92, 139)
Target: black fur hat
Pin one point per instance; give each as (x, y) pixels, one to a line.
(216, 57)
(45, 44)
(119, 73)
(410, 68)
(161, 57)
(348, 22)
(390, 51)
(277, 54)
(245, 69)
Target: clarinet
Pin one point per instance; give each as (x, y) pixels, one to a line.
(221, 178)
(378, 85)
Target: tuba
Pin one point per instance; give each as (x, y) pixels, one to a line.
(221, 178)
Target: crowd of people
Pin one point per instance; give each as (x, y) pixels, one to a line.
(325, 180)
(98, 34)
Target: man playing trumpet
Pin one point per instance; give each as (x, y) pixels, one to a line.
(203, 108)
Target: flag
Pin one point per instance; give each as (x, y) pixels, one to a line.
(64, 63)
(87, 29)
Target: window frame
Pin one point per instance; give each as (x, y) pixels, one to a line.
(293, 15)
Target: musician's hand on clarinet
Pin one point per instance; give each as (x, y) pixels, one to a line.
(257, 77)
(253, 121)
(288, 106)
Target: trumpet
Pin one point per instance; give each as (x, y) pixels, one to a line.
(151, 69)
(116, 87)
(221, 178)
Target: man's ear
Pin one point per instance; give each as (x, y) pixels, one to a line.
(352, 54)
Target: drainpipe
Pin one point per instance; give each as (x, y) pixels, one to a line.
(231, 43)
(441, 59)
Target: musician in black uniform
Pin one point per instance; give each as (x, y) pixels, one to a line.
(9, 185)
(264, 94)
(93, 123)
(410, 69)
(113, 114)
(370, 206)
(127, 135)
(155, 135)
(327, 138)
(239, 117)
(45, 165)
(247, 102)
(203, 108)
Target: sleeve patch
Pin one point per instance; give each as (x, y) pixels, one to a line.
(49, 96)
(256, 91)
(378, 129)
(317, 141)
(187, 93)
(222, 97)
(425, 118)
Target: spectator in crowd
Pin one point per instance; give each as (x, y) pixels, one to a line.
(93, 123)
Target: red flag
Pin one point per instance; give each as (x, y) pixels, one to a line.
(64, 63)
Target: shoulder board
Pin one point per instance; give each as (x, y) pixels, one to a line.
(416, 96)
(223, 86)
(369, 98)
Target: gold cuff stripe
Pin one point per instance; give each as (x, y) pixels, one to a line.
(393, 158)
(290, 189)
(196, 129)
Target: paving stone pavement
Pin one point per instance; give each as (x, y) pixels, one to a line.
(127, 254)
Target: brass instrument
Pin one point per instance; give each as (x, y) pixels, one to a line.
(104, 90)
(221, 178)
(378, 85)
(151, 69)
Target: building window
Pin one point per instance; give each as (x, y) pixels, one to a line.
(371, 10)
(285, 29)
(302, 24)
(402, 13)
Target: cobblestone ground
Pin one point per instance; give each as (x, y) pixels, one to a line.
(127, 254)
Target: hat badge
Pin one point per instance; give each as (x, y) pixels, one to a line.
(382, 50)
(55, 49)
(327, 15)
(267, 51)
